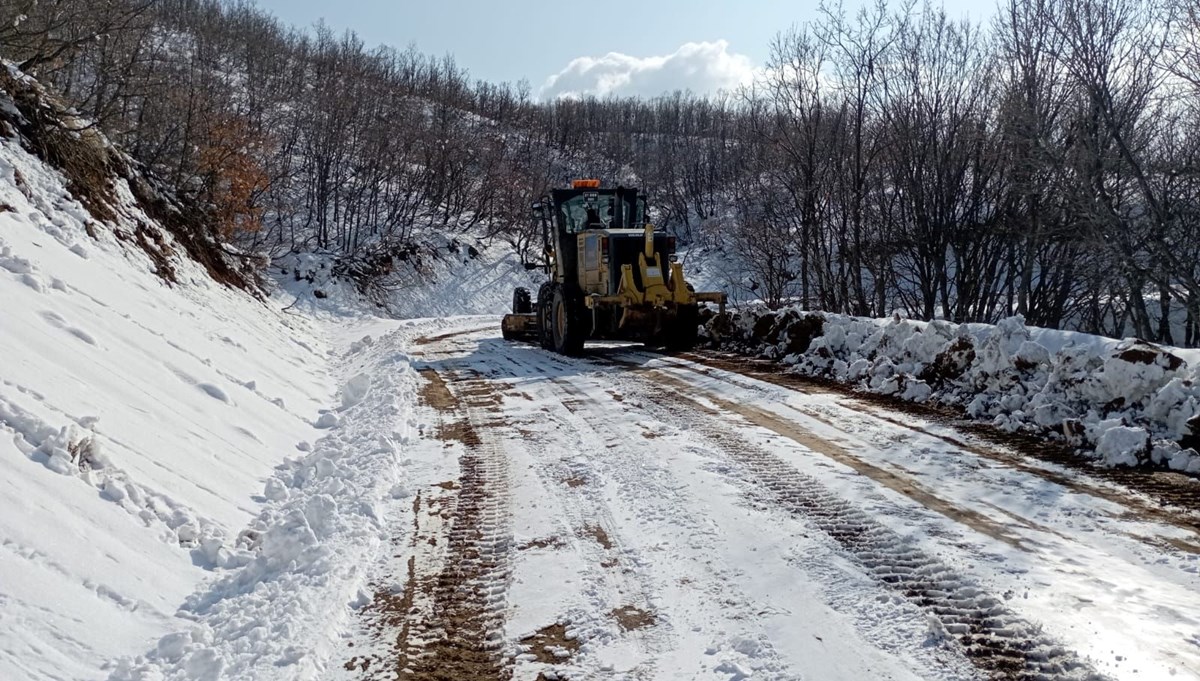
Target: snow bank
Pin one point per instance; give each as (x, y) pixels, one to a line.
(298, 568)
(1125, 403)
(138, 423)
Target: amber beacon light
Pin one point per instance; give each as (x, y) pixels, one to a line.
(585, 184)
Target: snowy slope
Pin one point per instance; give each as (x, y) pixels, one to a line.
(465, 285)
(455, 278)
(190, 475)
(180, 401)
(277, 610)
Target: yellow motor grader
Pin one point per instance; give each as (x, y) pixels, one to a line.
(610, 276)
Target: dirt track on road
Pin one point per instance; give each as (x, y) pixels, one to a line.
(448, 620)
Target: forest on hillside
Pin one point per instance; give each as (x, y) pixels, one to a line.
(1045, 162)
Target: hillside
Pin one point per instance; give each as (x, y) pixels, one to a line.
(1046, 187)
(140, 415)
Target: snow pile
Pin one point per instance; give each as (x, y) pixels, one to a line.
(302, 562)
(1128, 403)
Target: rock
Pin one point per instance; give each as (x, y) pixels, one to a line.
(1141, 352)
(950, 363)
(801, 332)
(782, 323)
(763, 325)
(1192, 439)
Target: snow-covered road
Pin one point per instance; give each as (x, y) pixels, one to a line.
(629, 515)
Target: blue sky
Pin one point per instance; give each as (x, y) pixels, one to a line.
(620, 46)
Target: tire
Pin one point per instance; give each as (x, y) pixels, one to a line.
(522, 303)
(683, 336)
(545, 299)
(567, 328)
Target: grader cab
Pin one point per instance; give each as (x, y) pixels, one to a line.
(611, 276)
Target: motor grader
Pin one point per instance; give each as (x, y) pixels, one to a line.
(610, 276)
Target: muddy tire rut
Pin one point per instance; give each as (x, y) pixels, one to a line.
(448, 622)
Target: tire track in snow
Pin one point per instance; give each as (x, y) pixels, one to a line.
(592, 521)
(994, 638)
(890, 479)
(737, 635)
(448, 620)
(624, 611)
(462, 635)
(615, 607)
(594, 414)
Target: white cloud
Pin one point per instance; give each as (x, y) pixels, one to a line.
(703, 68)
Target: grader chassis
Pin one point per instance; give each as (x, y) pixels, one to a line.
(610, 276)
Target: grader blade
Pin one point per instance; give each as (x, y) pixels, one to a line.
(519, 327)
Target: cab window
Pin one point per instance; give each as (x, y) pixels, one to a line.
(586, 211)
(595, 211)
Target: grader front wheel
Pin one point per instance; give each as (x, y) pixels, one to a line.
(684, 331)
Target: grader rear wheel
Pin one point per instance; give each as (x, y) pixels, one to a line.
(545, 299)
(567, 328)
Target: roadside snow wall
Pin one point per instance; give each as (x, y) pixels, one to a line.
(1125, 403)
(143, 405)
